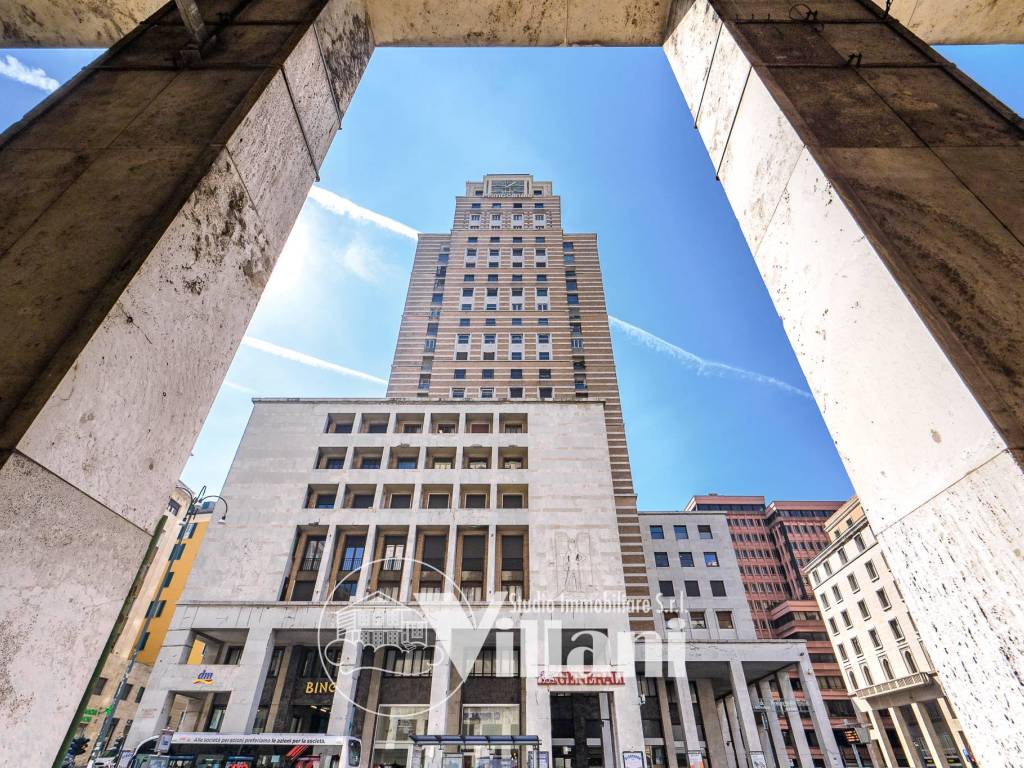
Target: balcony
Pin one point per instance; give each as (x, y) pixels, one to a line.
(899, 684)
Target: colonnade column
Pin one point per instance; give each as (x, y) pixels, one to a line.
(249, 675)
(714, 738)
(796, 722)
(774, 729)
(878, 189)
(148, 204)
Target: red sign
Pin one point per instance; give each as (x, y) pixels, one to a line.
(581, 678)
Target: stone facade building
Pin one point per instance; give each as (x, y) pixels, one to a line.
(884, 662)
(492, 488)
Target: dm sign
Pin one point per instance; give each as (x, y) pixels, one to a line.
(204, 678)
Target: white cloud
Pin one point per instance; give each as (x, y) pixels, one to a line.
(34, 76)
(701, 365)
(304, 359)
(342, 206)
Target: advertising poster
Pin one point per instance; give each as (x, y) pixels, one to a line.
(632, 760)
(696, 759)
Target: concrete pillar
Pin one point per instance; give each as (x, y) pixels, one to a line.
(369, 555)
(888, 755)
(931, 737)
(905, 737)
(629, 732)
(746, 725)
(819, 715)
(713, 735)
(249, 678)
(762, 731)
(686, 718)
(322, 590)
(665, 714)
(440, 690)
(492, 559)
(774, 729)
(796, 723)
(727, 734)
(449, 559)
(739, 745)
(405, 588)
(954, 726)
(147, 205)
(878, 189)
(538, 714)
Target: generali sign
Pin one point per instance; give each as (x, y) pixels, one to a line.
(568, 678)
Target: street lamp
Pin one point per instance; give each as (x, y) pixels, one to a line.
(195, 504)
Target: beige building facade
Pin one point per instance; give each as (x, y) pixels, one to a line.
(884, 662)
(176, 547)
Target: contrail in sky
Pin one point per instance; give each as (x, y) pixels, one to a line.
(303, 359)
(342, 206)
(702, 365)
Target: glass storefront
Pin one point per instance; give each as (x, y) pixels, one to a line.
(392, 738)
(490, 720)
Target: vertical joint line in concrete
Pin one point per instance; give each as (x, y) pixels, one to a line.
(327, 74)
(736, 114)
(707, 75)
(302, 128)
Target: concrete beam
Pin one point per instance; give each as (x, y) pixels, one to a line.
(877, 188)
(101, 23)
(146, 207)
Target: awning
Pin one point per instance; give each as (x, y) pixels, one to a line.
(431, 740)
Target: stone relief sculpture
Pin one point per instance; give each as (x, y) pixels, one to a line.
(573, 562)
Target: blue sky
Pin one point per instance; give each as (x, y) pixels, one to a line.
(610, 129)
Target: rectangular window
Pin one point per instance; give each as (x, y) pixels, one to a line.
(666, 589)
(661, 559)
(515, 393)
(724, 619)
(686, 559)
(692, 588)
(680, 532)
(711, 559)
(657, 532)
(718, 588)
(704, 531)
(697, 618)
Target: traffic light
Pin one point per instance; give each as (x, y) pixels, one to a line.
(77, 746)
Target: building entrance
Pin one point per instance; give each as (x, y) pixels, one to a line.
(581, 733)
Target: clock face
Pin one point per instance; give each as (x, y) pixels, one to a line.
(508, 187)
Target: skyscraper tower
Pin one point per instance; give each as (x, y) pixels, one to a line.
(510, 306)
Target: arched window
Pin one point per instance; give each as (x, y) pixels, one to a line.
(853, 681)
(887, 669)
(867, 675)
(911, 664)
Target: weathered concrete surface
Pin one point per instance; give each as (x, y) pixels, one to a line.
(130, 271)
(879, 203)
(101, 23)
(64, 551)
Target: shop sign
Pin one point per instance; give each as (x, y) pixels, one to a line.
(258, 739)
(205, 677)
(696, 759)
(632, 760)
(567, 677)
(320, 686)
